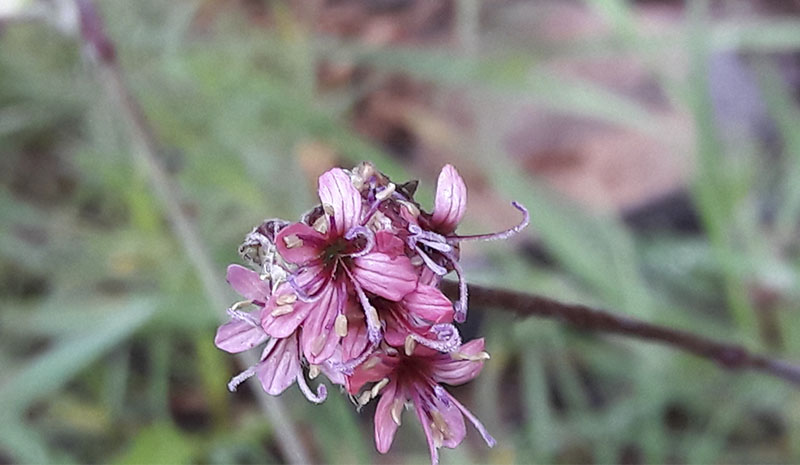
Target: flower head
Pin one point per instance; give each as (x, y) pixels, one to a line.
(415, 378)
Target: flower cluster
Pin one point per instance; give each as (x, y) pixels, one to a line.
(352, 291)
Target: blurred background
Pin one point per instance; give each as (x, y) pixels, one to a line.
(655, 142)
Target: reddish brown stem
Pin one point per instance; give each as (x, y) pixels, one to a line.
(728, 356)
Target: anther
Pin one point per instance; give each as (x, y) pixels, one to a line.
(480, 356)
(282, 310)
(328, 209)
(409, 345)
(286, 299)
(386, 192)
(321, 224)
(341, 325)
(377, 387)
(372, 363)
(313, 371)
(364, 398)
(439, 422)
(396, 410)
(412, 209)
(292, 241)
(318, 344)
(416, 260)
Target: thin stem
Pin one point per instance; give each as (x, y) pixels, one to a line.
(146, 150)
(729, 356)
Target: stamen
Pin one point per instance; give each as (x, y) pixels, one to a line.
(240, 378)
(340, 326)
(282, 310)
(361, 231)
(396, 410)
(386, 192)
(460, 307)
(447, 338)
(442, 395)
(438, 437)
(313, 371)
(526, 218)
(292, 241)
(439, 270)
(372, 363)
(321, 224)
(243, 316)
(410, 345)
(439, 422)
(373, 321)
(412, 209)
(416, 260)
(376, 389)
(364, 398)
(286, 299)
(479, 357)
(319, 397)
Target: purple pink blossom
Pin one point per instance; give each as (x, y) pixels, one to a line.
(351, 290)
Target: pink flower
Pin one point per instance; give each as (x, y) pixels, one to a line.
(334, 257)
(401, 378)
(279, 366)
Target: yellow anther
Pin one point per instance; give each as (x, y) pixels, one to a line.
(340, 326)
(282, 310)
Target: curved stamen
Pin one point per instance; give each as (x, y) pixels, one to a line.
(526, 218)
(447, 338)
(435, 267)
(319, 397)
(463, 297)
(429, 238)
(361, 231)
(241, 315)
(346, 368)
(373, 322)
(240, 378)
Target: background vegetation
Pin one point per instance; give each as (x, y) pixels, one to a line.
(654, 142)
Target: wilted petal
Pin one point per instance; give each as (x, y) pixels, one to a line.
(451, 200)
(280, 366)
(299, 243)
(389, 277)
(238, 336)
(337, 190)
(450, 369)
(284, 312)
(248, 283)
(318, 337)
(430, 304)
(385, 425)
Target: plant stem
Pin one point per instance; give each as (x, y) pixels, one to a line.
(146, 150)
(729, 356)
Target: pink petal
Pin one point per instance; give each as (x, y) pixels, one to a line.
(430, 304)
(451, 200)
(389, 244)
(280, 366)
(389, 277)
(238, 336)
(375, 368)
(385, 427)
(337, 190)
(283, 325)
(304, 243)
(456, 429)
(318, 338)
(248, 283)
(448, 370)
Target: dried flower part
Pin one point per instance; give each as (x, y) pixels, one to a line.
(352, 291)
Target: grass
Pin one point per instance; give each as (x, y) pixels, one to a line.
(106, 333)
